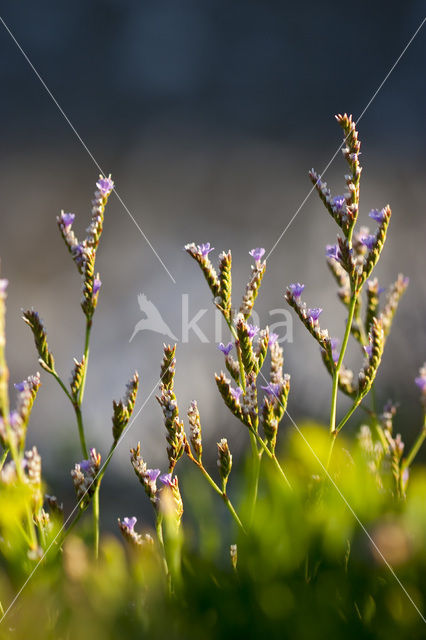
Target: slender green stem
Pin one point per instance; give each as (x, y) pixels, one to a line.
(80, 426)
(3, 457)
(86, 359)
(159, 530)
(95, 507)
(415, 448)
(218, 490)
(348, 415)
(335, 387)
(330, 451)
(62, 385)
(256, 474)
(272, 457)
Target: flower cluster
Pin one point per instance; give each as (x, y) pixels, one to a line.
(85, 477)
(123, 409)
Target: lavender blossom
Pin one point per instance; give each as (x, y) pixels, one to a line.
(97, 283)
(130, 523)
(314, 313)
(236, 393)
(272, 389)
(225, 350)
(296, 289)
(332, 251)
(273, 337)
(368, 241)
(67, 220)
(421, 380)
(368, 350)
(105, 185)
(205, 249)
(3, 287)
(378, 216)
(339, 202)
(252, 330)
(166, 479)
(257, 253)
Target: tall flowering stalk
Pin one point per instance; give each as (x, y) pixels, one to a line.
(88, 474)
(351, 261)
(251, 347)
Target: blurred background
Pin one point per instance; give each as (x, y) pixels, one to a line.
(208, 114)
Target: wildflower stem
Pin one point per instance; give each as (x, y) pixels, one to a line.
(79, 418)
(95, 507)
(218, 490)
(272, 456)
(86, 359)
(257, 459)
(159, 530)
(351, 311)
(3, 457)
(415, 448)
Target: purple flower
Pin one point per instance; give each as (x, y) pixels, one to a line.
(105, 185)
(257, 254)
(338, 202)
(272, 389)
(130, 523)
(378, 216)
(224, 349)
(368, 350)
(14, 419)
(235, 393)
(296, 289)
(334, 343)
(252, 330)
(3, 285)
(166, 479)
(85, 465)
(421, 383)
(314, 313)
(332, 251)
(96, 285)
(205, 249)
(67, 219)
(273, 337)
(153, 474)
(21, 386)
(369, 241)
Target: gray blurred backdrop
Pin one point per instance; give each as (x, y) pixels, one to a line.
(209, 114)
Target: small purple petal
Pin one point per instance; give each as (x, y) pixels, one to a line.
(236, 393)
(3, 285)
(296, 289)
(273, 337)
(152, 474)
(205, 249)
(332, 251)
(96, 285)
(130, 522)
(314, 313)
(377, 215)
(368, 350)
(421, 383)
(224, 349)
(252, 330)
(369, 241)
(338, 202)
(67, 219)
(21, 386)
(166, 479)
(85, 465)
(105, 185)
(272, 389)
(257, 253)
